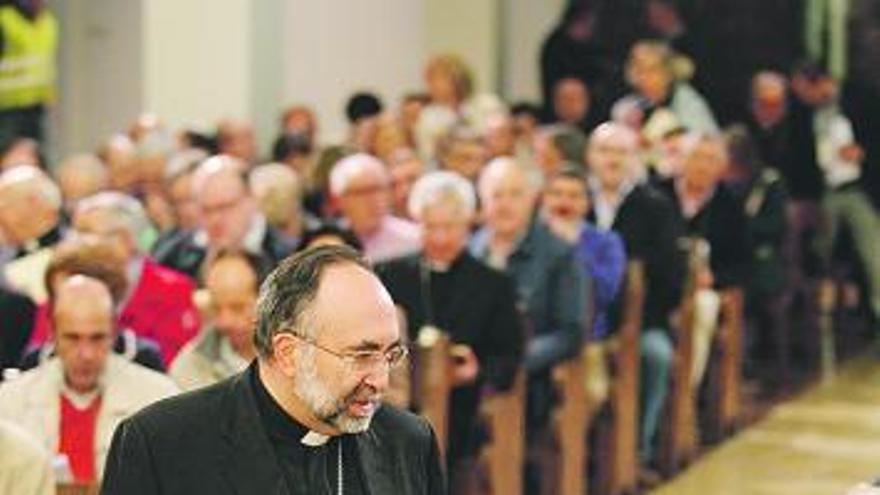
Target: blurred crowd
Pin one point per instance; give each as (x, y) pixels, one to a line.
(131, 272)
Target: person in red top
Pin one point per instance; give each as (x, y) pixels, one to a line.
(73, 402)
(159, 304)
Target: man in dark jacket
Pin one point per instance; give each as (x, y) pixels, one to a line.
(446, 288)
(228, 218)
(646, 221)
(305, 418)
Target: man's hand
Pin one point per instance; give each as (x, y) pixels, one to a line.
(465, 365)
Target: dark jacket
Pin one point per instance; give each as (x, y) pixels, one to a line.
(552, 290)
(16, 320)
(183, 254)
(722, 223)
(476, 306)
(650, 228)
(211, 441)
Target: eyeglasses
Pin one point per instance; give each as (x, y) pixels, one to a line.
(364, 361)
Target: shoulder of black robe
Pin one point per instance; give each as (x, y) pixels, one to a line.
(211, 441)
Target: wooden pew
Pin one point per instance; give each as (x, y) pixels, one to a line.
(505, 414)
(725, 370)
(76, 489)
(432, 384)
(679, 437)
(570, 425)
(616, 466)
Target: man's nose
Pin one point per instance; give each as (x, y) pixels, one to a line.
(379, 377)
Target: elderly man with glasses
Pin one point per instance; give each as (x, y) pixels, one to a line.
(306, 416)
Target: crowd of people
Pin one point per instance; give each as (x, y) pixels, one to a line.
(132, 272)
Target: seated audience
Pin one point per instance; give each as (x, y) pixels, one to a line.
(80, 176)
(572, 105)
(444, 288)
(236, 138)
(228, 218)
(647, 222)
(453, 101)
(278, 192)
(361, 184)
(564, 207)
(405, 168)
(95, 258)
(118, 153)
(552, 289)
(462, 151)
(32, 223)
(158, 303)
(225, 346)
(557, 145)
(73, 403)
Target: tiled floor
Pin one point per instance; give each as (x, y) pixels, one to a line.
(822, 443)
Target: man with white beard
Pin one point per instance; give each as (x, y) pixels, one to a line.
(305, 417)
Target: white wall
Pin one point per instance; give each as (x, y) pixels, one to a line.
(100, 71)
(197, 60)
(527, 24)
(333, 48)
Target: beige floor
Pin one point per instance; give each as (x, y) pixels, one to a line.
(822, 443)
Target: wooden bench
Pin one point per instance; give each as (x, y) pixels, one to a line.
(724, 380)
(616, 466)
(504, 456)
(679, 437)
(76, 489)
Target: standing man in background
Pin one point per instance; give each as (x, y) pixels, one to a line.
(28, 46)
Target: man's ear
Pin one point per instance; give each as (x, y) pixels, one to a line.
(284, 347)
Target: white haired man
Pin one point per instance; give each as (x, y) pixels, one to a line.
(446, 288)
(30, 224)
(361, 184)
(158, 305)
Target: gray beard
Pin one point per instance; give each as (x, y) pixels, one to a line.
(316, 395)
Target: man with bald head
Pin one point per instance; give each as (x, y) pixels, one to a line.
(551, 286)
(306, 416)
(73, 402)
(236, 138)
(650, 228)
(228, 218)
(118, 153)
(80, 176)
(226, 344)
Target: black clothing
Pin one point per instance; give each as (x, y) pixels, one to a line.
(307, 470)
(722, 223)
(476, 306)
(17, 313)
(212, 441)
(650, 228)
(181, 253)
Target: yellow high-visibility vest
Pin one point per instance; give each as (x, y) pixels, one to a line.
(27, 65)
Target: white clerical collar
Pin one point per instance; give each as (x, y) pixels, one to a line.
(314, 439)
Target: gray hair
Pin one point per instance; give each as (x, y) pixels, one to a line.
(183, 163)
(350, 167)
(288, 293)
(126, 210)
(439, 187)
(30, 179)
(500, 167)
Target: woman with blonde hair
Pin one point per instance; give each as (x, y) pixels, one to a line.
(659, 79)
(450, 85)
